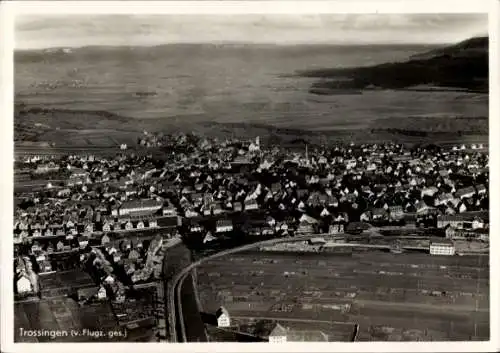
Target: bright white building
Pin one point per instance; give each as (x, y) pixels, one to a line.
(101, 294)
(278, 334)
(223, 319)
(23, 284)
(442, 248)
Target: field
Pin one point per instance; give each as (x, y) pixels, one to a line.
(55, 283)
(390, 297)
(90, 97)
(62, 315)
(402, 116)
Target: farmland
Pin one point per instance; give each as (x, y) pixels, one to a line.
(62, 315)
(391, 297)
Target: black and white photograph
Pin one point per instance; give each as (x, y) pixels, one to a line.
(261, 177)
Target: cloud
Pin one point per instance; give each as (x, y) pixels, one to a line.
(83, 30)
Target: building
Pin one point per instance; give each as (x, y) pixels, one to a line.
(442, 248)
(208, 238)
(101, 293)
(224, 225)
(307, 224)
(251, 204)
(396, 212)
(465, 193)
(278, 334)
(169, 210)
(223, 319)
(24, 284)
(481, 189)
(142, 206)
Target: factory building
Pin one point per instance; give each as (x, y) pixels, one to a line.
(146, 206)
(442, 248)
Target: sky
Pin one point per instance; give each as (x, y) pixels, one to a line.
(44, 31)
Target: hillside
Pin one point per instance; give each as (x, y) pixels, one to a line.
(463, 66)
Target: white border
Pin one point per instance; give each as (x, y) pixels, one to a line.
(251, 7)
(9, 9)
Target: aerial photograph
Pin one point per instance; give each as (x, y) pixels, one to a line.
(251, 178)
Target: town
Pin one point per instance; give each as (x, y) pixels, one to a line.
(97, 228)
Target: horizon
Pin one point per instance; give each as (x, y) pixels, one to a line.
(255, 44)
(79, 31)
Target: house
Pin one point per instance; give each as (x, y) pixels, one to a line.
(134, 255)
(442, 248)
(89, 227)
(70, 224)
(251, 204)
(195, 228)
(24, 284)
(366, 216)
(217, 208)
(238, 207)
(478, 223)
(129, 225)
(83, 242)
(109, 279)
(465, 193)
(462, 207)
(270, 221)
(443, 199)
(422, 208)
(275, 188)
(117, 255)
(333, 201)
(278, 334)
(379, 214)
(223, 319)
(450, 232)
(208, 238)
(396, 212)
(306, 224)
(430, 191)
(64, 193)
(207, 210)
(169, 210)
(105, 239)
(224, 225)
(191, 213)
(106, 226)
(481, 189)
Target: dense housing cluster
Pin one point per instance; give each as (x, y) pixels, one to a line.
(212, 189)
(114, 216)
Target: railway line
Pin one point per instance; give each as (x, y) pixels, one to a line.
(436, 296)
(344, 278)
(175, 298)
